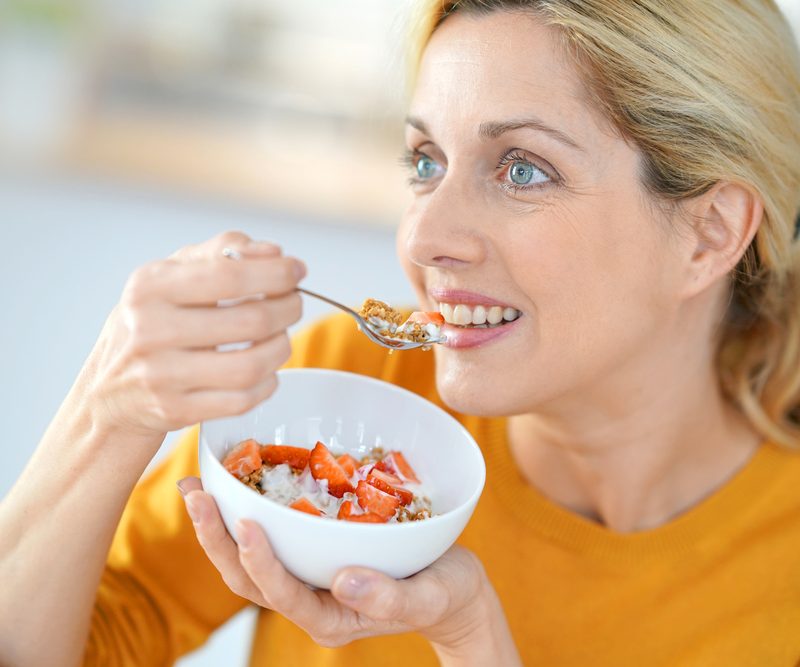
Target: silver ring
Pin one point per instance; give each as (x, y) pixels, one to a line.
(230, 253)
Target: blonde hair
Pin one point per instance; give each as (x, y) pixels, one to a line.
(708, 92)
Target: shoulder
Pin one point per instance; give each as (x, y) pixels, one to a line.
(335, 342)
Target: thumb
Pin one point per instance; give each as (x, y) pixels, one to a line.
(371, 593)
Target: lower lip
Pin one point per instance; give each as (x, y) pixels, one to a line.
(464, 337)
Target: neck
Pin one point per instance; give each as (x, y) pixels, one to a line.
(633, 455)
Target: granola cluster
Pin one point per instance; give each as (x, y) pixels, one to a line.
(372, 309)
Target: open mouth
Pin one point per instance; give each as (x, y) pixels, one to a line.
(477, 316)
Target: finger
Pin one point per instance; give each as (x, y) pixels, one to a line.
(237, 369)
(210, 326)
(423, 600)
(235, 240)
(373, 594)
(209, 281)
(218, 544)
(188, 484)
(283, 592)
(205, 404)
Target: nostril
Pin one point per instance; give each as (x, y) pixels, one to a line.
(446, 260)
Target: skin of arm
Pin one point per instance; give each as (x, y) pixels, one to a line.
(154, 369)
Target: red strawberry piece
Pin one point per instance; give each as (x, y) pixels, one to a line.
(243, 459)
(386, 476)
(372, 499)
(324, 466)
(426, 317)
(305, 505)
(346, 513)
(296, 457)
(399, 466)
(380, 480)
(348, 463)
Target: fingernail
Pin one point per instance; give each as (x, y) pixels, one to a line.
(243, 535)
(194, 509)
(353, 587)
(181, 484)
(299, 269)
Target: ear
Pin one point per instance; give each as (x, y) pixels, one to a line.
(724, 221)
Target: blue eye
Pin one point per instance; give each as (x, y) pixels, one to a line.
(525, 173)
(425, 167)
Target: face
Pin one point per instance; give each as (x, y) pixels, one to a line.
(527, 208)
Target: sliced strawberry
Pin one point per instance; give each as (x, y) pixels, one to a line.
(372, 499)
(380, 480)
(305, 505)
(385, 475)
(243, 459)
(345, 510)
(346, 514)
(426, 317)
(296, 457)
(324, 466)
(348, 463)
(394, 462)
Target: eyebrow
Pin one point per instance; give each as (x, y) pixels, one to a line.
(493, 130)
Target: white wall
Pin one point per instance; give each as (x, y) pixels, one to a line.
(67, 249)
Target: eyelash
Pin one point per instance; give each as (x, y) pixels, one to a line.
(411, 157)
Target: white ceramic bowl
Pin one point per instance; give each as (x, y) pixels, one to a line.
(351, 413)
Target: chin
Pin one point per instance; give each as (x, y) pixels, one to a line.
(478, 395)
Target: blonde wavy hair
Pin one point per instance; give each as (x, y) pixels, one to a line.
(708, 91)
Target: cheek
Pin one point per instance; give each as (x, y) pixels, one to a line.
(594, 295)
(414, 272)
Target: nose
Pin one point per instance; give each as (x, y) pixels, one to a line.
(443, 227)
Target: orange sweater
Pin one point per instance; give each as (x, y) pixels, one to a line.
(720, 585)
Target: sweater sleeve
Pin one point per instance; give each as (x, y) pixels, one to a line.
(159, 595)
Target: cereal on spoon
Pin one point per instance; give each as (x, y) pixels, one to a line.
(420, 326)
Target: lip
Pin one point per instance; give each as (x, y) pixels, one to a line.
(456, 296)
(463, 337)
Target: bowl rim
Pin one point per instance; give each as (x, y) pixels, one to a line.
(471, 501)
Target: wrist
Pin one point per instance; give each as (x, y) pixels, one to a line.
(478, 635)
(89, 404)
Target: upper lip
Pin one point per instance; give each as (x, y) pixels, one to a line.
(456, 296)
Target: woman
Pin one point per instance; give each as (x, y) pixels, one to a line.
(625, 177)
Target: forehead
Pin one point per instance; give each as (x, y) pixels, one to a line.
(496, 66)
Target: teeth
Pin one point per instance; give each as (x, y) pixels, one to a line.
(495, 315)
(462, 315)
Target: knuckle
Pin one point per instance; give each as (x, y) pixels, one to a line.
(232, 236)
(328, 639)
(393, 605)
(282, 348)
(137, 289)
(287, 274)
(295, 306)
(142, 336)
(151, 379)
(164, 412)
(234, 585)
(267, 387)
(261, 392)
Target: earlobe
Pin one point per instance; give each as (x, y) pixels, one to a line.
(725, 221)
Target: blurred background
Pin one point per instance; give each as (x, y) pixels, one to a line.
(129, 128)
